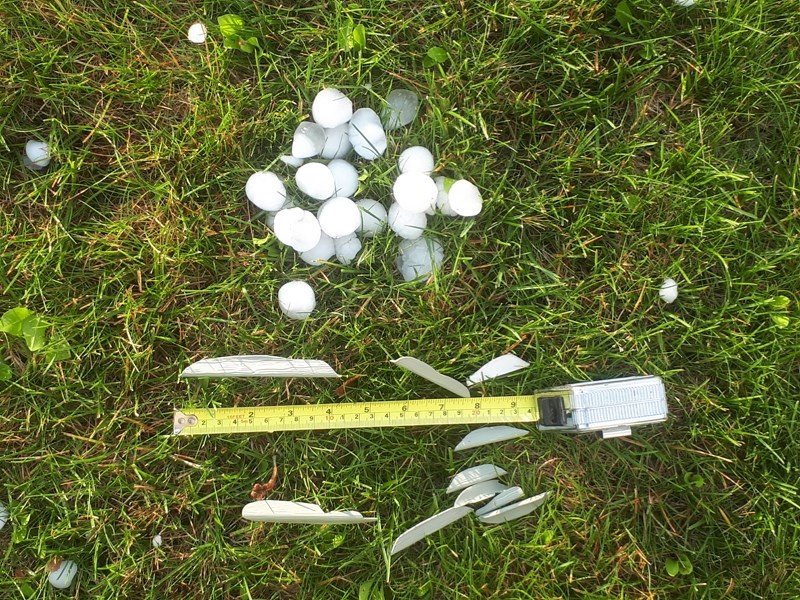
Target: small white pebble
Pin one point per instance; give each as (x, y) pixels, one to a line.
(308, 140)
(416, 160)
(266, 191)
(415, 192)
(668, 291)
(316, 181)
(197, 33)
(157, 541)
(63, 576)
(465, 198)
(38, 153)
(339, 217)
(408, 225)
(296, 299)
(373, 217)
(331, 108)
(347, 248)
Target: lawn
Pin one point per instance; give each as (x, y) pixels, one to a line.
(615, 144)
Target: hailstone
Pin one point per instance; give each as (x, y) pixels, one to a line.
(373, 217)
(292, 161)
(443, 185)
(366, 134)
(337, 142)
(63, 575)
(266, 190)
(669, 291)
(415, 192)
(38, 153)
(197, 33)
(419, 258)
(331, 108)
(345, 175)
(308, 141)
(296, 300)
(408, 225)
(401, 108)
(347, 248)
(339, 217)
(315, 180)
(465, 198)
(416, 160)
(297, 228)
(320, 253)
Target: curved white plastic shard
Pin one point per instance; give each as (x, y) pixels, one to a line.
(429, 526)
(428, 372)
(490, 435)
(502, 365)
(258, 366)
(474, 475)
(480, 492)
(284, 511)
(514, 511)
(506, 497)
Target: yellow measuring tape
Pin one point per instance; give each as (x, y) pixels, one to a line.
(351, 415)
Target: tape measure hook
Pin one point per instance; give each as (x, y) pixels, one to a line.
(182, 420)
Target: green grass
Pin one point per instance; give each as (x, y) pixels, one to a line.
(609, 158)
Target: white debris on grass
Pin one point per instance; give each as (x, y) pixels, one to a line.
(296, 300)
(480, 492)
(474, 475)
(490, 435)
(505, 497)
(37, 154)
(401, 109)
(198, 33)
(308, 141)
(63, 575)
(157, 541)
(266, 190)
(426, 371)
(373, 217)
(297, 228)
(497, 367)
(285, 511)
(669, 291)
(428, 526)
(514, 511)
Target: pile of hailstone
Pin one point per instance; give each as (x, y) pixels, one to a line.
(326, 219)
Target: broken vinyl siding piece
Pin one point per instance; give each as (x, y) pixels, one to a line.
(514, 511)
(474, 475)
(479, 492)
(497, 367)
(507, 496)
(258, 366)
(428, 526)
(283, 511)
(490, 435)
(428, 372)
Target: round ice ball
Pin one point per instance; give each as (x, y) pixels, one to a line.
(197, 33)
(157, 540)
(308, 141)
(373, 217)
(331, 108)
(366, 134)
(415, 192)
(408, 225)
(63, 575)
(419, 258)
(38, 153)
(669, 291)
(297, 228)
(320, 253)
(296, 300)
(416, 160)
(337, 143)
(401, 108)
(266, 190)
(465, 198)
(270, 216)
(292, 161)
(339, 217)
(347, 248)
(345, 175)
(316, 181)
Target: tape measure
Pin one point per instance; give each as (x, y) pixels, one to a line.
(352, 415)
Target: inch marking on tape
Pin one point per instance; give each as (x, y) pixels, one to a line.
(352, 415)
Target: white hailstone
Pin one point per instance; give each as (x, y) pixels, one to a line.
(320, 253)
(38, 154)
(308, 141)
(373, 217)
(339, 217)
(443, 185)
(415, 192)
(337, 142)
(401, 108)
(63, 576)
(668, 291)
(347, 248)
(197, 33)
(297, 228)
(686, 3)
(157, 541)
(366, 134)
(266, 190)
(331, 108)
(316, 181)
(270, 216)
(296, 299)
(465, 198)
(345, 175)
(416, 160)
(419, 258)
(4, 514)
(292, 161)
(408, 225)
